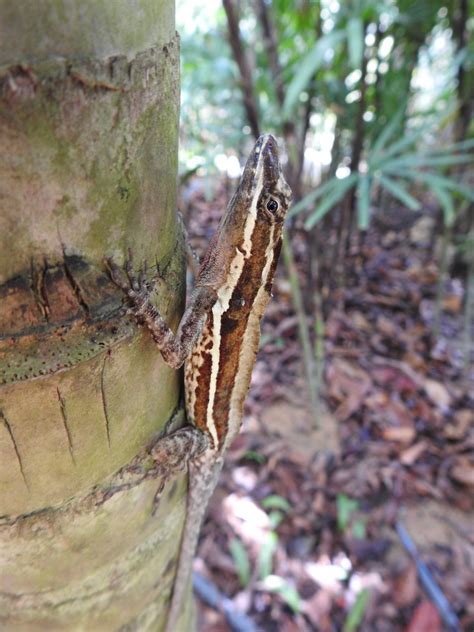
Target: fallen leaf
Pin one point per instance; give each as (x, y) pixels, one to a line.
(463, 472)
(457, 429)
(398, 414)
(400, 434)
(438, 393)
(406, 587)
(349, 383)
(425, 619)
(359, 321)
(386, 326)
(318, 609)
(452, 303)
(412, 454)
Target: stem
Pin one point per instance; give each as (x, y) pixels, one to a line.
(469, 305)
(443, 265)
(296, 294)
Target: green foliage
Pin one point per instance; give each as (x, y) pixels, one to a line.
(345, 508)
(276, 502)
(251, 455)
(265, 555)
(308, 65)
(392, 166)
(289, 594)
(325, 51)
(241, 561)
(356, 615)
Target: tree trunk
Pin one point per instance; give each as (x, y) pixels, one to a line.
(89, 105)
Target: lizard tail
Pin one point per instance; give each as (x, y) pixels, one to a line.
(203, 477)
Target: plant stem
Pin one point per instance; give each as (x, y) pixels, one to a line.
(469, 304)
(443, 266)
(313, 385)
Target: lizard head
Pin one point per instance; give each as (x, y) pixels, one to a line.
(263, 196)
(252, 224)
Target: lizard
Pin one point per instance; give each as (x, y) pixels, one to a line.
(217, 339)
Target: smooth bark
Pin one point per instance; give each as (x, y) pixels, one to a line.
(89, 107)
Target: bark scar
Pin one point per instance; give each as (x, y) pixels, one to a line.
(62, 408)
(104, 401)
(15, 447)
(37, 275)
(76, 288)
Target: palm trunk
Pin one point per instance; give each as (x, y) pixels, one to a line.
(89, 107)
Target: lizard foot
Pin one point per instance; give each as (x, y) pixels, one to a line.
(135, 286)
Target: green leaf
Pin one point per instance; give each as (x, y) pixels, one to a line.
(305, 202)
(434, 179)
(359, 530)
(276, 502)
(388, 132)
(289, 594)
(378, 158)
(332, 199)
(355, 41)
(363, 202)
(265, 556)
(446, 201)
(275, 518)
(241, 561)
(460, 146)
(421, 160)
(307, 66)
(345, 508)
(356, 615)
(251, 455)
(399, 192)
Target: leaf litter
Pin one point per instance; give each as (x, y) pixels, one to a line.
(395, 441)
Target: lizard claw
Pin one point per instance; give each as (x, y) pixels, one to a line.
(116, 274)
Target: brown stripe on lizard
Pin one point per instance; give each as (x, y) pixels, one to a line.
(217, 339)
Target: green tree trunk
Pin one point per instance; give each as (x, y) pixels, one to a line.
(89, 105)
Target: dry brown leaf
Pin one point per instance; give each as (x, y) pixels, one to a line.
(400, 434)
(425, 619)
(457, 429)
(452, 303)
(438, 393)
(463, 471)
(386, 326)
(398, 414)
(406, 587)
(318, 609)
(349, 383)
(412, 454)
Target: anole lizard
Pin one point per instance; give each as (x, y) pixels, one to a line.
(217, 338)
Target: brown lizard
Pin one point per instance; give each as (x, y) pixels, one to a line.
(217, 338)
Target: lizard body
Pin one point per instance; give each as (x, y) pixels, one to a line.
(217, 339)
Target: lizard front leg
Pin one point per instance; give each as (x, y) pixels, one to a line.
(174, 348)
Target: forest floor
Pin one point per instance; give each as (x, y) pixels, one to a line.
(301, 533)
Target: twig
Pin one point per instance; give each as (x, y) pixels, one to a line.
(212, 596)
(428, 582)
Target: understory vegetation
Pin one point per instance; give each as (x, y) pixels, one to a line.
(360, 418)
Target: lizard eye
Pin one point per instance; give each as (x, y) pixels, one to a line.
(272, 205)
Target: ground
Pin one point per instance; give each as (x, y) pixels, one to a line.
(302, 530)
